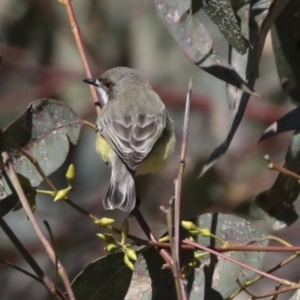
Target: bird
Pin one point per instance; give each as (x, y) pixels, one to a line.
(135, 133)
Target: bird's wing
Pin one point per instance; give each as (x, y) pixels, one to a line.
(132, 137)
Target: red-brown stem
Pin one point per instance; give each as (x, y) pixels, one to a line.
(151, 236)
(78, 38)
(31, 216)
(276, 167)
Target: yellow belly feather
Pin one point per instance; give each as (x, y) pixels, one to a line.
(156, 159)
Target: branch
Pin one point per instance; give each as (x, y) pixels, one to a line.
(77, 35)
(178, 184)
(151, 236)
(31, 216)
(280, 169)
(181, 291)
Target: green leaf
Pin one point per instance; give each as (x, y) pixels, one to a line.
(105, 278)
(45, 131)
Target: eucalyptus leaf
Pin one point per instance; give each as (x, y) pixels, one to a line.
(105, 278)
(45, 131)
(223, 15)
(246, 66)
(195, 42)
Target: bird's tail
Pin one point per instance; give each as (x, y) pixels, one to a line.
(121, 193)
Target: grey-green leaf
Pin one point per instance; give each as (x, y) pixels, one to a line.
(196, 43)
(222, 14)
(105, 278)
(45, 131)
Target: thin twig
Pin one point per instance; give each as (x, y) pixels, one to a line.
(178, 184)
(279, 291)
(55, 251)
(280, 169)
(77, 35)
(278, 266)
(30, 260)
(275, 278)
(21, 270)
(31, 216)
(179, 281)
(227, 248)
(151, 236)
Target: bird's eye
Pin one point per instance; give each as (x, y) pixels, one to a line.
(107, 85)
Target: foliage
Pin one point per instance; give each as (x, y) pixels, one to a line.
(37, 143)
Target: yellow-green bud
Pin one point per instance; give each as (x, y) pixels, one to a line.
(71, 173)
(111, 248)
(196, 263)
(108, 238)
(62, 194)
(131, 254)
(124, 231)
(188, 225)
(104, 221)
(186, 271)
(128, 263)
(205, 232)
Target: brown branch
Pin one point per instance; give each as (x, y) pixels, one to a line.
(31, 216)
(151, 236)
(79, 42)
(181, 291)
(227, 248)
(178, 184)
(274, 166)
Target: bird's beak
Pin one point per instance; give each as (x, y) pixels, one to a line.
(91, 81)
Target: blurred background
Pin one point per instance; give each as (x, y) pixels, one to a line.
(40, 60)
